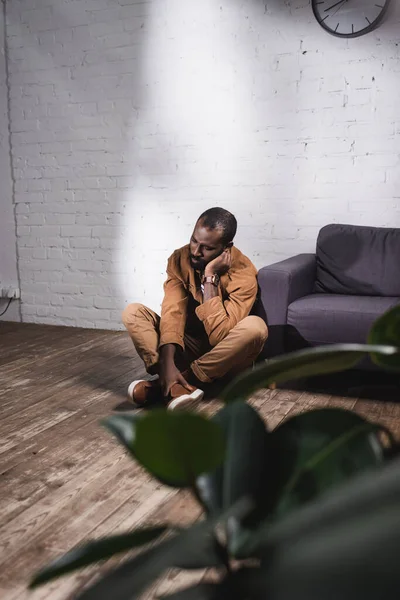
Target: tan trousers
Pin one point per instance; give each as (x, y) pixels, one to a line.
(236, 352)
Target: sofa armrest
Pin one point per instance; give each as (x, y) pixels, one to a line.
(283, 282)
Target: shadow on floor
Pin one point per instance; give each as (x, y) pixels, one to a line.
(354, 383)
(114, 372)
(367, 382)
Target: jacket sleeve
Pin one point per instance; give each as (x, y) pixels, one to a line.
(220, 316)
(173, 308)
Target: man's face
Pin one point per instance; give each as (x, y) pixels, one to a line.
(205, 245)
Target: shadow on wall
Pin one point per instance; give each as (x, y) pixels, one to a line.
(128, 120)
(77, 94)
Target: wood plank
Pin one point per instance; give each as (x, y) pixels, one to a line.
(149, 498)
(38, 342)
(34, 479)
(65, 480)
(178, 508)
(90, 411)
(309, 402)
(55, 383)
(32, 447)
(27, 478)
(49, 512)
(91, 506)
(40, 362)
(278, 405)
(342, 402)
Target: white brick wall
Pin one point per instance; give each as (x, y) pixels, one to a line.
(8, 249)
(131, 117)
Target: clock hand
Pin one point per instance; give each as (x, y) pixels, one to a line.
(338, 8)
(333, 5)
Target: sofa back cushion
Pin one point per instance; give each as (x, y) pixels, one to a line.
(364, 261)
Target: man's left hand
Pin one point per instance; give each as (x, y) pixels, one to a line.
(219, 265)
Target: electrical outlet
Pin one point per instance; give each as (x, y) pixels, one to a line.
(10, 293)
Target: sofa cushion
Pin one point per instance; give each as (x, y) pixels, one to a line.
(329, 318)
(352, 259)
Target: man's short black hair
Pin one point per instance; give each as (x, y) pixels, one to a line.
(219, 218)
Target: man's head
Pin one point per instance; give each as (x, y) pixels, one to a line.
(212, 234)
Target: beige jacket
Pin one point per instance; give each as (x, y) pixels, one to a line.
(236, 295)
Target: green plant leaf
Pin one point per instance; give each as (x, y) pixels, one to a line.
(345, 543)
(234, 586)
(94, 551)
(365, 493)
(175, 447)
(386, 330)
(128, 581)
(206, 553)
(320, 449)
(356, 557)
(246, 456)
(302, 363)
(243, 472)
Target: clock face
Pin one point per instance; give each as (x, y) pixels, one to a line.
(349, 18)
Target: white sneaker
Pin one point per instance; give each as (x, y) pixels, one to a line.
(182, 399)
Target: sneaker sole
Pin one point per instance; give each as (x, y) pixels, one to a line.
(187, 400)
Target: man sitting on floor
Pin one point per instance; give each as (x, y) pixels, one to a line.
(205, 331)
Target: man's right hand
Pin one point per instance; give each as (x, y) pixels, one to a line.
(219, 265)
(169, 374)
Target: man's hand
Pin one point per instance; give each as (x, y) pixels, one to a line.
(169, 374)
(219, 265)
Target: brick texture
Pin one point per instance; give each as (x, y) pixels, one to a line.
(130, 117)
(8, 250)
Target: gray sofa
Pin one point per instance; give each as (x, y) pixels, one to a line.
(334, 295)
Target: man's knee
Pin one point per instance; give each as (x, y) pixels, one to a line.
(131, 313)
(255, 328)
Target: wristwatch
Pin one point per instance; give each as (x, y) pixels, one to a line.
(214, 279)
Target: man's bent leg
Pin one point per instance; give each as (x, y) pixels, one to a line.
(143, 325)
(237, 351)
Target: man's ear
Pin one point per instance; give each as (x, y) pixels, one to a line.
(228, 246)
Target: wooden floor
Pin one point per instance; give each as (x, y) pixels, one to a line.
(63, 478)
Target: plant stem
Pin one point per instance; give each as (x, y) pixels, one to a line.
(199, 499)
(390, 435)
(223, 553)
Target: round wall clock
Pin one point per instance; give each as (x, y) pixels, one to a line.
(349, 18)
